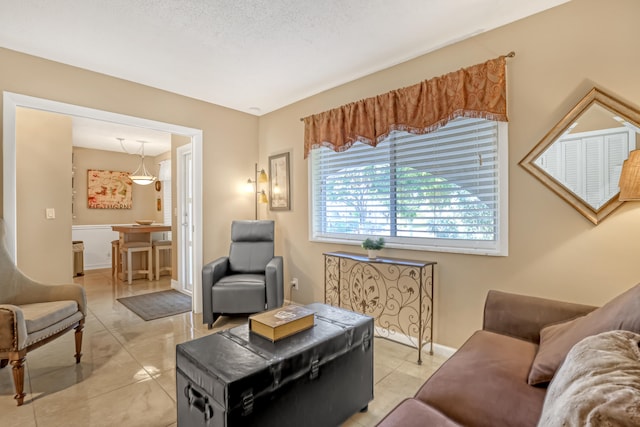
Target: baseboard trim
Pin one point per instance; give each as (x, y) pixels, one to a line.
(443, 350)
(89, 267)
(438, 349)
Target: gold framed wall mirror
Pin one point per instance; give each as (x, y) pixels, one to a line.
(581, 157)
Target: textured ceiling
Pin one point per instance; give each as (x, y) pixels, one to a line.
(250, 55)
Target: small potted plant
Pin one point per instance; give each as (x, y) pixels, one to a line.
(373, 246)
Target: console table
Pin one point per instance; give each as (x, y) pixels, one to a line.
(397, 293)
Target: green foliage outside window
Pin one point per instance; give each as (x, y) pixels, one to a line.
(413, 203)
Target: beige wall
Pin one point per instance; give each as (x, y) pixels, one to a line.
(554, 251)
(229, 137)
(143, 196)
(43, 180)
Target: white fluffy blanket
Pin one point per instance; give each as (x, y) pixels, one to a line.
(598, 385)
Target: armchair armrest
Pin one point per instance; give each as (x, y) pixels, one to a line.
(35, 292)
(274, 281)
(523, 316)
(211, 273)
(12, 328)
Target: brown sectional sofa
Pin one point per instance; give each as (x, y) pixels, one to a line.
(485, 382)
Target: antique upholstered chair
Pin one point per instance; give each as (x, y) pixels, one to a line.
(250, 279)
(33, 314)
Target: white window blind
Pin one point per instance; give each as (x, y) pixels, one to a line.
(439, 191)
(164, 176)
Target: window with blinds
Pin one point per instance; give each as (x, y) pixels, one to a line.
(164, 175)
(442, 191)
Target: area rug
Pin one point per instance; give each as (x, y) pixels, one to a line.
(157, 304)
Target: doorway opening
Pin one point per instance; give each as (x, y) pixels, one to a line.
(13, 101)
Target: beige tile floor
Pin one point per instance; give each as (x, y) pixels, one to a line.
(127, 373)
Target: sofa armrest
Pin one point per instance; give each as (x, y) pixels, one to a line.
(522, 316)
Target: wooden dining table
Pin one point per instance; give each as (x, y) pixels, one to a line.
(137, 233)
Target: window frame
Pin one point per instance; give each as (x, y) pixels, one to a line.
(499, 247)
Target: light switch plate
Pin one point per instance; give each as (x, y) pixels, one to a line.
(51, 213)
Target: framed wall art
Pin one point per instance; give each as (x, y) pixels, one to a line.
(108, 190)
(279, 183)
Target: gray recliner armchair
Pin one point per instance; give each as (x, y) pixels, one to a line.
(249, 280)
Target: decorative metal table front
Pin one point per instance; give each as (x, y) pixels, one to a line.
(397, 293)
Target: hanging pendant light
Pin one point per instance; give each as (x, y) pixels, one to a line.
(140, 176)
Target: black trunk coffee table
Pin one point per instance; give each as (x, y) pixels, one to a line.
(318, 377)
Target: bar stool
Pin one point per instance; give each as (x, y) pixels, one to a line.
(158, 246)
(129, 248)
(116, 261)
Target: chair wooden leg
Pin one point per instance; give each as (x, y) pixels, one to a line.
(123, 265)
(157, 264)
(78, 337)
(150, 264)
(17, 364)
(129, 269)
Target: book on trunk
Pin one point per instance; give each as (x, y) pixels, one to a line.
(281, 322)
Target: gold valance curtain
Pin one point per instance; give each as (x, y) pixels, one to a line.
(477, 91)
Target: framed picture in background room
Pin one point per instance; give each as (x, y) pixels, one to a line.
(108, 190)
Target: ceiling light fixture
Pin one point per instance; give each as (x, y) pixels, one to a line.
(140, 176)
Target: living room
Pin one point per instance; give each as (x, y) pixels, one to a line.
(554, 251)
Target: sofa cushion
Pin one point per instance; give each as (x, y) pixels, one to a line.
(598, 384)
(485, 383)
(622, 312)
(414, 413)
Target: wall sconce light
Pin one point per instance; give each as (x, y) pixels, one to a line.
(630, 178)
(259, 177)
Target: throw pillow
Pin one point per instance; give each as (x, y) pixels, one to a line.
(622, 312)
(597, 385)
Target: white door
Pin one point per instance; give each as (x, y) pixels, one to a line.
(185, 217)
